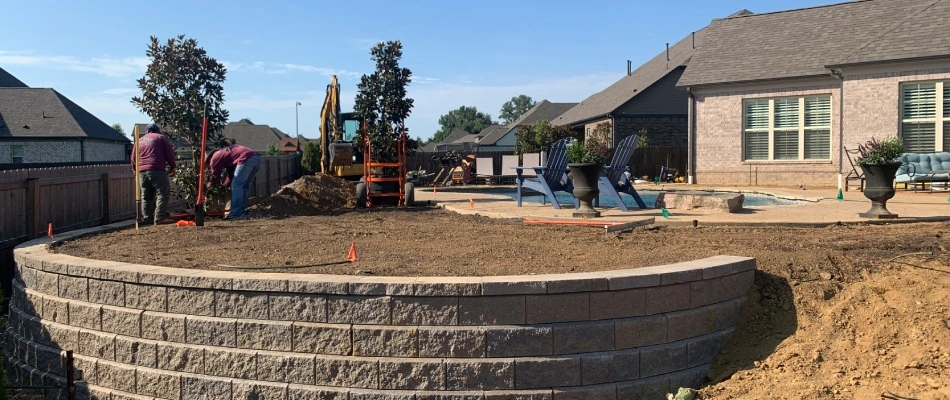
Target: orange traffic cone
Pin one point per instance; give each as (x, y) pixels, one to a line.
(471, 203)
(49, 230)
(351, 256)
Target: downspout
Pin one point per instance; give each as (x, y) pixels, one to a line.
(613, 130)
(837, 74)
(690, 140)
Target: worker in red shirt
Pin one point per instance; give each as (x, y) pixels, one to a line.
(155, 154)
(235, 165)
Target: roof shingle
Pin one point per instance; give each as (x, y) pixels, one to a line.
(43, 112)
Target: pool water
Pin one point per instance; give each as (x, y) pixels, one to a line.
(648, 196)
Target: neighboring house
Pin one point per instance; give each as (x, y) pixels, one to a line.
(40, 126)
(257, 137)
(646, 98)
(502, 137)
(775, 97)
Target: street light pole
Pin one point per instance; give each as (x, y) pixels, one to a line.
(297, 117)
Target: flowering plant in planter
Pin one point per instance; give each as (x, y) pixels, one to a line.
(594, 149)
(885, 151)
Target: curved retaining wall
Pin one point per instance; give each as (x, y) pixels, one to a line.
(168, 333)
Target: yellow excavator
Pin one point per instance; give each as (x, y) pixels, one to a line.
(336, 155)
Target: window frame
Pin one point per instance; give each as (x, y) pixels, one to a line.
(940, 119)
(771, 130)
(13, 153)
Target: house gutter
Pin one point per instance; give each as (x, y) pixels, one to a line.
(837, 74)
(690, 140)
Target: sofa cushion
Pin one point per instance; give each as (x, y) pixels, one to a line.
(919, 166)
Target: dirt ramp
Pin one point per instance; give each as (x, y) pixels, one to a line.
(310, 195)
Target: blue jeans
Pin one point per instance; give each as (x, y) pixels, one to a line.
(240, 185)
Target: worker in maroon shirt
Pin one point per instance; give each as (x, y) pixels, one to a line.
(240, 162)
(155, 154)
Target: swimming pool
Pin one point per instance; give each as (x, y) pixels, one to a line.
(648, 196)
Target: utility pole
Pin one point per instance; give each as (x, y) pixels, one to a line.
(297, 118)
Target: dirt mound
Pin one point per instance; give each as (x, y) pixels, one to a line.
(318, 194)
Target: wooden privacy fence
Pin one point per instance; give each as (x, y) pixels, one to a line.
(80, 197)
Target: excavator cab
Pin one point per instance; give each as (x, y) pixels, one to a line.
(337, 131)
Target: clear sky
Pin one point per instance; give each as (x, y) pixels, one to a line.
(280, 52)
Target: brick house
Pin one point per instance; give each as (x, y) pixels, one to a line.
(40, 126)
(774, 98)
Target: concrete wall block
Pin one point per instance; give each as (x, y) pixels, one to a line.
(347, 372)
(500, 287)
(103, 270)
(365, 287)
(493, 374)
(591, 392)
(617, 304)
(253, 282)
(181, 358)
(667, 298)
(740, 283)
(114, 375)
(583, 337)
(88, 367)
(205, 387)
(569, 307)
(265, 335)
(374, 310)
(625, 280)
(85, 315)
(645, 389)
(158, 276)
(694, 377)
(322, 338)
(107, 292)
(590, 282)
(134, 351)
(385, 341)
(55, 263)
(27, 271)
(73, 288)
(151, 298)
(663, 359)
(297, 307)
(158, 383)
(727, 265)
(425, 310)
(55, 309)
(521, 341)
(231, 363)
(452, 342)
(641, 331)
(232, 304)
(492, 310)
(206, 280)
(163, 326)
(306, 285)
(364, 394)
(519, 395)
(258, 390)
(537, 373)
(284, 367)
(191, 301)
(124, 321)
(425, 287)
(703, 350)
(97, 344)
(302, 392)
(211, 331)
(608, 367)
(62, 336)
(422, 395)
(690, 323)
(411, 374)
(688, 272)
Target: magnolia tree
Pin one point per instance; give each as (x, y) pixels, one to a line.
(382, 103)
(180, 81)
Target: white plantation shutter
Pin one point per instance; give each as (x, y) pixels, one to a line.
(757, 114)
(919, 100)
(818, 144)
(786, 145)
(818, 111)
(756, 145)
(946, 135)
(786, 113)
(918, 137)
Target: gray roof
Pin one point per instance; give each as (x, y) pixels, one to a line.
(8, 80)
(455, 135)
(606, 101)
(800, 43)
(493, 133)
(257, 137)
(544, 110)
(43, 112)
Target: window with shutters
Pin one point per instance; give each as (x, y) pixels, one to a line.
(789, 128)
(925, 116)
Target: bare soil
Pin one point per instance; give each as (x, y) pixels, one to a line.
(840, 312)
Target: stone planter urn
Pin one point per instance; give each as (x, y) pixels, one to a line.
(584, 177)
(879, 187)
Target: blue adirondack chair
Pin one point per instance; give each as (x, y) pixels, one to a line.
(613, 181)
(550, 178)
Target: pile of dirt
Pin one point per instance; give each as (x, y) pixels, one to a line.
(318, 194)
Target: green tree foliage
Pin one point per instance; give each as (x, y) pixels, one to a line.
(118, 128)
(272, 150)
(466, 118)
(540, 136)
(381, 101)
(180, 79)
(514, 108)
(310, 159)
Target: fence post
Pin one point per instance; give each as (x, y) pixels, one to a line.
(32, 208)
(267, 175)
(106, 213)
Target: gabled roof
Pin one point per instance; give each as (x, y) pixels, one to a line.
(800, 43)
(493, 133)
(606, 101)
(36, 112)
(544, 110)
(8, 80)
(455, 135)
(257, 137)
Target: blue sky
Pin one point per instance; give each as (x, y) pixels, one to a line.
(280, 52)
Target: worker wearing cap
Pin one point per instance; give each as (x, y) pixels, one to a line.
(234, 165)
(155, 155)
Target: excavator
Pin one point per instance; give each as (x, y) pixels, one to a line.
(336, 154)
